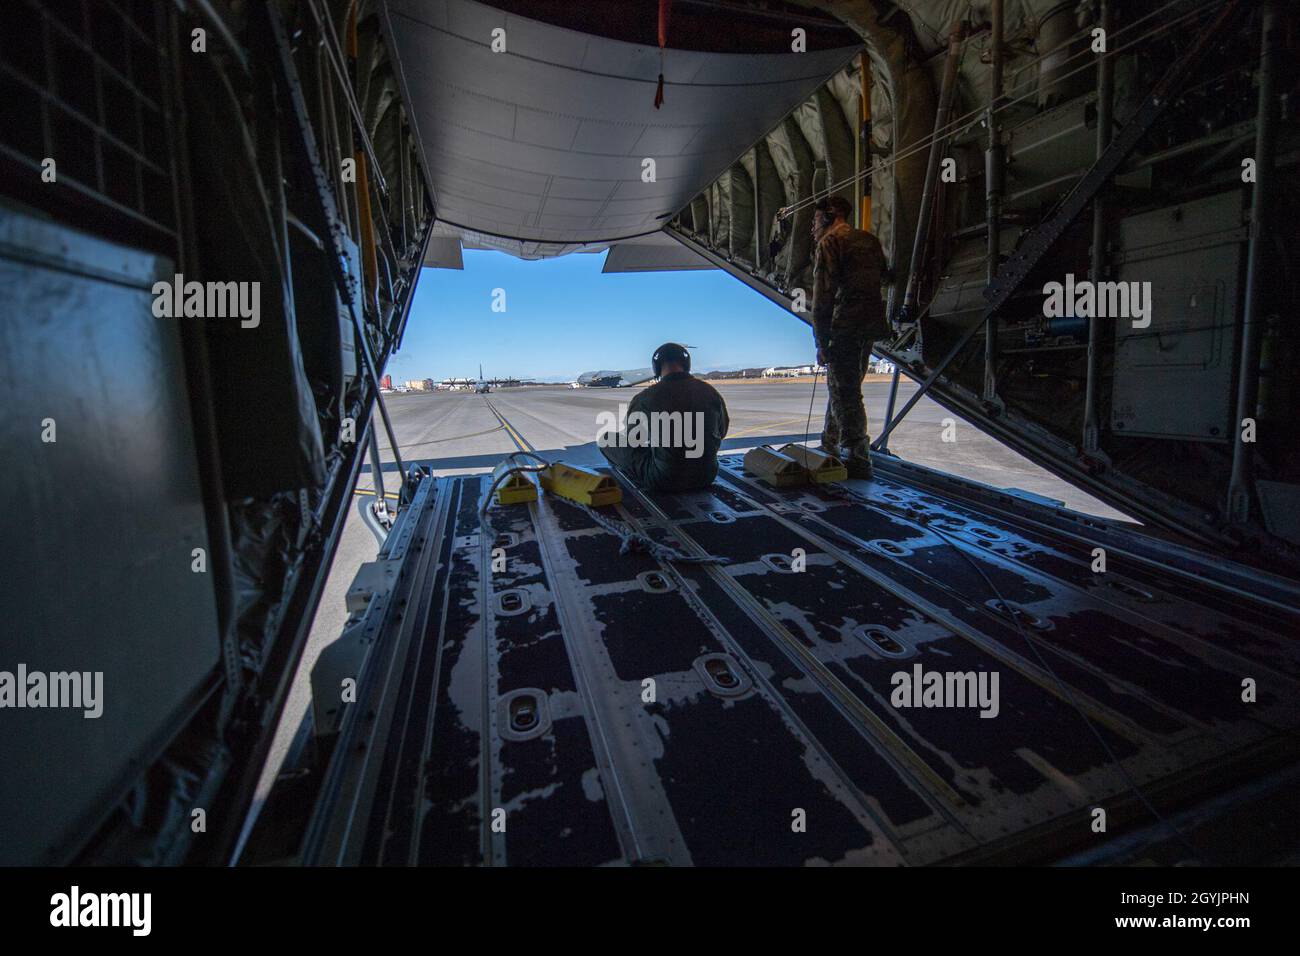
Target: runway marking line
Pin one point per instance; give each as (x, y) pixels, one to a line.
(754, 428)
(367, 491)
(517, 438)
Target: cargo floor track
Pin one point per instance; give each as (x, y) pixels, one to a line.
(534, 695)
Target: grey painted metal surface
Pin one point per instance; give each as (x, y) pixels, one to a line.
(102, 513)
(655, 253)
(1172, 378)
(541, 146)
(616, 378)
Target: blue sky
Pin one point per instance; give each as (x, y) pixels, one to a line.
(563, 317)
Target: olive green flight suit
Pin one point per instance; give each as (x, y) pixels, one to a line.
(668, 467)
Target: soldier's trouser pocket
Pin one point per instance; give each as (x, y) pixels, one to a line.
(845, 364)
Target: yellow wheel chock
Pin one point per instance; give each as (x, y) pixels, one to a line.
(514, 489)
(581, 485)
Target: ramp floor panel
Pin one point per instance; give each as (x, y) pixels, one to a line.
(751, 712)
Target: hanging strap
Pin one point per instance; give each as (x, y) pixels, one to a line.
(665, 7)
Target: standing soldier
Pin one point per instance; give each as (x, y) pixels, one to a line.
(848, 317)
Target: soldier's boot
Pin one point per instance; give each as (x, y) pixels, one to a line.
(857, 458)
(830, 445)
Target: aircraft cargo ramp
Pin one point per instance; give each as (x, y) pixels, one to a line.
(533, 693)
(214, 220)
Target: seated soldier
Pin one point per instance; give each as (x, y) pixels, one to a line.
(673, 430)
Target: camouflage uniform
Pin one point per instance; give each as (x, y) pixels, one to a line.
(848, 317)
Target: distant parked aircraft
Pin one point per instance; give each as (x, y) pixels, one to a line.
(616, 378)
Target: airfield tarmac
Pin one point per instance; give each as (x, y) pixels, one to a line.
(459, 433)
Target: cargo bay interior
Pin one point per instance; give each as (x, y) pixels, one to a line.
(338, 151)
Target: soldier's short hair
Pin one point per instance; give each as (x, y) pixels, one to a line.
(835, 206)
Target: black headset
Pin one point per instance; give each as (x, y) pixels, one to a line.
(670, 352)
